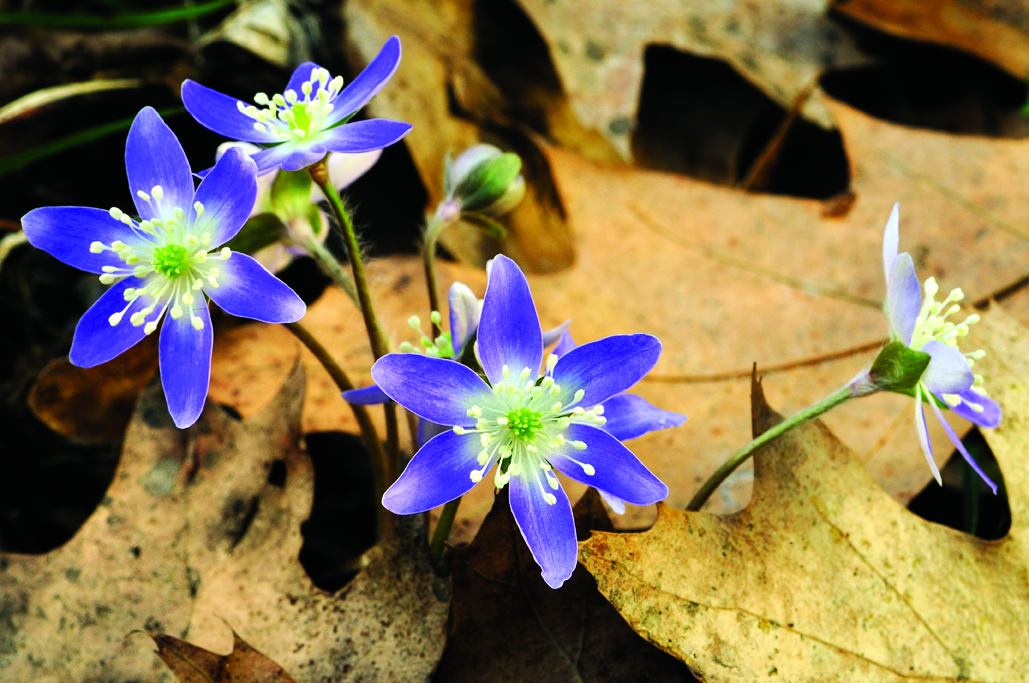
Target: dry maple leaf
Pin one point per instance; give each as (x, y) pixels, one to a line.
(192, 664)
(824, 577)
(507, 625)
(193, 530)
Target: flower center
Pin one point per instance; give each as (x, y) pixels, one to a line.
(524, 425)
(172, 262)
(292, 119)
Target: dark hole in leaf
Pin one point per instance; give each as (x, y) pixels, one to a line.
(949, 504)
(698, 117)
(277, 473)
(230, 411)
(342, 522)
(929, 86)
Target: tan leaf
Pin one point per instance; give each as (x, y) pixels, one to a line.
(996, 30)
(823, 576)
(192, 532)
(192, 664)
(781, 46)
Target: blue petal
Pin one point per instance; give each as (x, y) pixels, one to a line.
(556, 334)
(368, 396)
(923, 434)
(303, 155)
(427, 430)
(363, 136)
(891, 241)
(990, 415)
(228, 194)
(629, 416)
(186, 364)
(607, 366)
(438, 473)
(219, 113)
(96, 340)
(548, 530)
(961, 447)
(153, 156)
(616, 470)
(246, 289)
(509, 329)
(464, 315)
(903, 298)
(368, 83)
(616, 504)
(301, 75)
(948, 371)
(65, 232)
(564, 344)
(436, 389)
(269, 159)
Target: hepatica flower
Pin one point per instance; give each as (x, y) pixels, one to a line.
(522, 423)
(922, 325)
(166, 261)
(308, 120)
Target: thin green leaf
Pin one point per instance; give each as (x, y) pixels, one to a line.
(126, 20)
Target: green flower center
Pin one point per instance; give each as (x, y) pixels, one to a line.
(171, 260)
(295, 116)
(524, 423)
(301, 117)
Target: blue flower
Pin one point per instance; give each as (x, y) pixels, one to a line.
(524, 422)
(922, 325)
(308, 120)
(165, 262)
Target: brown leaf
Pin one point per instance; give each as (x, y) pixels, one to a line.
(508, 625)
(192, 532)
(823, 576)
(996, 30)
(192, 664)
(598, 49)
(93, 404)
(439, 67)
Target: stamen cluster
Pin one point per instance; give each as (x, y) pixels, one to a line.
(174, 263)
(290, 118)
(524, 425)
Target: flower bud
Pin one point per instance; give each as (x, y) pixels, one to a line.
(484, 180)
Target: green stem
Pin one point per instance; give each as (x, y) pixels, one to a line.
(331, 267)
(741, 456)
(442, 532)
(380, 344)
(368, 432)
(320, 174)
(433, 229)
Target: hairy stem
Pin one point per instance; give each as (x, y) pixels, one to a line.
(431, 238)
(331, 267)
(369, 434)
(741, 456)
(442, 532)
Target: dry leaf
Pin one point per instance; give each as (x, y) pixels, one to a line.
(93, 404)
(781, 46)
(508, 625)
(192, 664)
(996, 30)
(191, 532)
(438, 66)
(266, 28)
(823, 576)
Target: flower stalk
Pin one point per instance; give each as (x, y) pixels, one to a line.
(744, 454)
(433, 229)
(442, 531)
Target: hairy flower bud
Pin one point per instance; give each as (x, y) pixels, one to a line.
(484, 180)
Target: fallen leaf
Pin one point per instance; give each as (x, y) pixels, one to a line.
(781, 46)
(266, 28)
(439, 66)
(192, 664)
(825, 577)
(996, 30)
(93, 404)
(194, 530)
(507, 625)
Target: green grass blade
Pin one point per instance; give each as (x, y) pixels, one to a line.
(126, 20)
